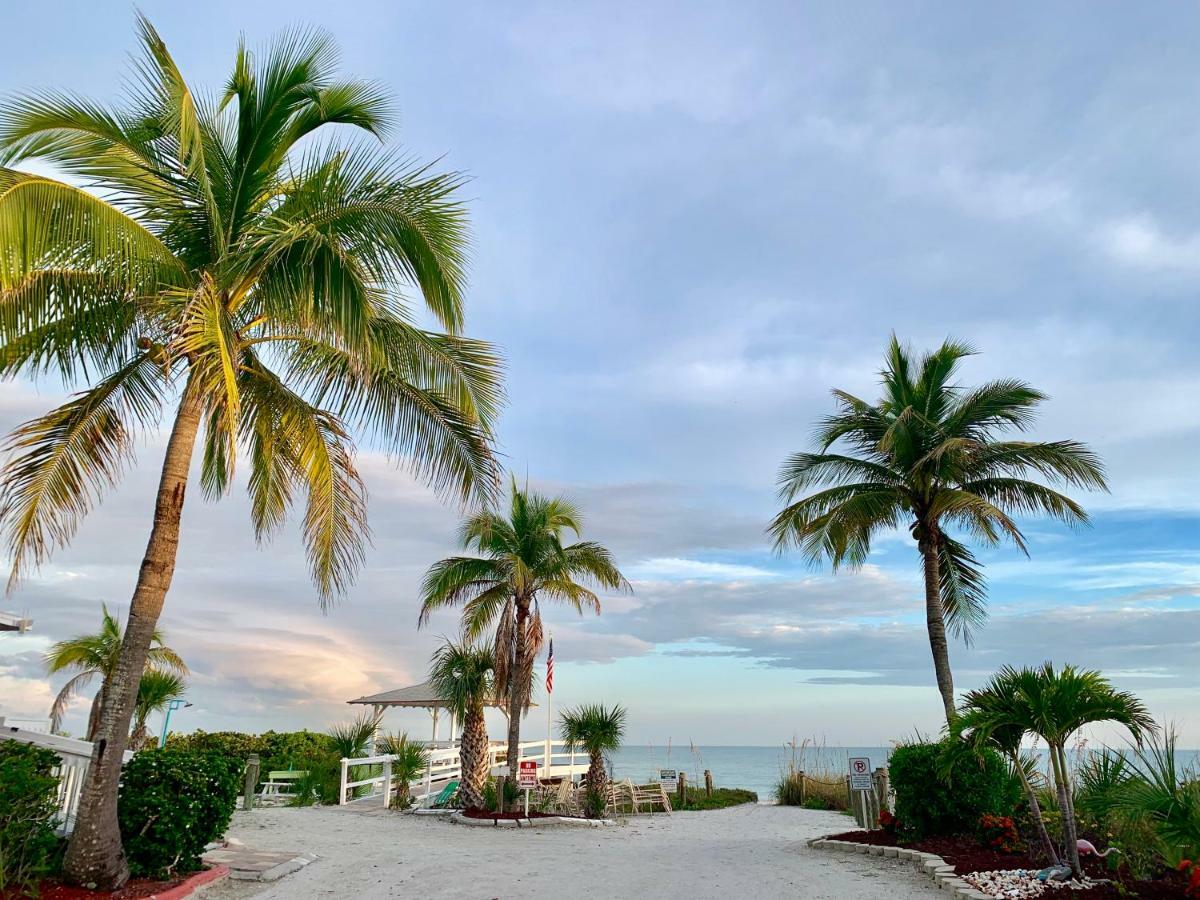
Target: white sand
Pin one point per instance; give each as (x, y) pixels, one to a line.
(747, 851)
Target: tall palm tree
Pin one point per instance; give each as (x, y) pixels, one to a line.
(929, 456)
(463, 675)
(523, 561)
(157, 688)
(995, 716)
(1054, 705)
(594, 729)
(252, 280)
(96, 655)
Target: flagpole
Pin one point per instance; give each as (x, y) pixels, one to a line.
(549, 696)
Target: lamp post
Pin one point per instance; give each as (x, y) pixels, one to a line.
(171, 707)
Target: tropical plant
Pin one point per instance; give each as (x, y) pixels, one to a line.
(593, 729)
(28, 815)
(351, 739)
(157, 688)
(232, 271)
(96, 655)
(1160, 792)
(992, 717)
(1054, 705)
(410, 760)
(523, 562)
(463, 675)
(928, 456)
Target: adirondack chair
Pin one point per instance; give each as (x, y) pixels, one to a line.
(652, 795)
(444, 795)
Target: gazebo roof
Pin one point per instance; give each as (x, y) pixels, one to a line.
(421, 696)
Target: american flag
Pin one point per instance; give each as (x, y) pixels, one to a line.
(550, 669)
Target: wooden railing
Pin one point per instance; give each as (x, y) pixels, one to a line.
(74, 756)
(444, 766)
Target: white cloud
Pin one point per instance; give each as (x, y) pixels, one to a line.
(676, 569)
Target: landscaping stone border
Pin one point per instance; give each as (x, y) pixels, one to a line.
(552, 821)
(193, 884)
(934, 866)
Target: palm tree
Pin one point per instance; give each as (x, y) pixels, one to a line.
(523, 561)
(595, 730)
(463, 675)
(249, 279)
(96, 655)
(411, 759)
(994, 716)
(928, 456)
(156, 689)
(1054, 705)
(351, 739)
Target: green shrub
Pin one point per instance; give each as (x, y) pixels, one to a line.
(275, 749)
(321, 781)
(720, 799)
(172, 803)
(28, 803)
(945, 788)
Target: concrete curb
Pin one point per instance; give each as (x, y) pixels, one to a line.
(941, 872)
(193, 884)
(553, 821)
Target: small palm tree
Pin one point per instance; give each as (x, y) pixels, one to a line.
(157, 688)
(463, 675)
(351, 739)
(231, 268)
(96, 655)
(411, 759)
(928, 456)
(1054, 705)
(523, 561)
(995, 717)
(593, 729)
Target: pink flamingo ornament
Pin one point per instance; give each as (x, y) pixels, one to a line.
(1087, 848)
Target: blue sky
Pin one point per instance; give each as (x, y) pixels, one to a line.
(690, 222)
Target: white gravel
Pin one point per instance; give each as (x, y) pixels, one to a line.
(756, 852)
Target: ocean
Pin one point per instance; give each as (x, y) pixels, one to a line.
(759, 768)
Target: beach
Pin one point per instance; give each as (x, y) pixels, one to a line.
(734, 852)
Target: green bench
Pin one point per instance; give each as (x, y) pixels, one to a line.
(281, 782)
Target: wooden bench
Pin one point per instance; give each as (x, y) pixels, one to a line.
(280, 779)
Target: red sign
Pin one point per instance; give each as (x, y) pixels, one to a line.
(527, 775)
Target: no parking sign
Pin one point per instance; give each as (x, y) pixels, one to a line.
(860, 774)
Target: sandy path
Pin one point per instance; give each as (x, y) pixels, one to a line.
(747, 851)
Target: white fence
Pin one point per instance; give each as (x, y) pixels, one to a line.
(74, 758)
(445, 767)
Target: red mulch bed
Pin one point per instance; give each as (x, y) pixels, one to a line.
(966, 855)
(135, 889)
(475, 813)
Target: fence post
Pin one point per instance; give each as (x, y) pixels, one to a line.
(682, 789)
(387, 783)
(342, 785)
(708, 783)
(803, 788)
(253, 766)
(883, 789)
(500, 782)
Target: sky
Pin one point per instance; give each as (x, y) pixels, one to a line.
(690, 222)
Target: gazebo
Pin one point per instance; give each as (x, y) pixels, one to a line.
(420, 696)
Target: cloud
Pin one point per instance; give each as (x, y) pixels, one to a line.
(674, 568)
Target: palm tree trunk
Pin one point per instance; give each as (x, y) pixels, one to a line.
(935, 623)
(94, 855)
(1070, 830)
(597, 776)
(516, 695)
(1035, 810)
(94, 714)
(473, 753)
